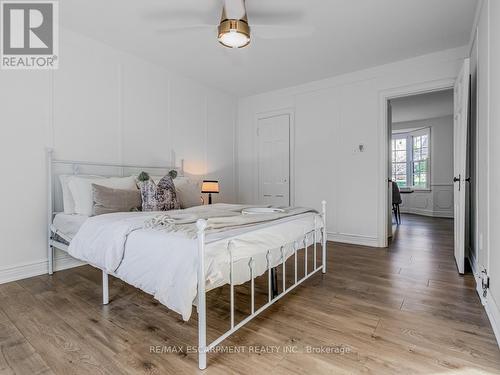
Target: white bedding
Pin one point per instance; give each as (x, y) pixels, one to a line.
(164, 263)
(68, 224)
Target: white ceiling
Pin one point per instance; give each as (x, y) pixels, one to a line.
(423, 106)
(349, 35)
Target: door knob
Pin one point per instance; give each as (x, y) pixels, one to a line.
(457, 179)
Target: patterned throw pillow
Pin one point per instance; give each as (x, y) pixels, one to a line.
(161, 197)
(148, 195)
(166, 196)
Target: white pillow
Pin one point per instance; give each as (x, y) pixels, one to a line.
(81, 190)
(68, 201)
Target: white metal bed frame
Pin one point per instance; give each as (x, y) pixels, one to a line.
(203, 347)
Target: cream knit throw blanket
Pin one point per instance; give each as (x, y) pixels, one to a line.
(219, 217)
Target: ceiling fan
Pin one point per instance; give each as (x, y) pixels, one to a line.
(235, 31)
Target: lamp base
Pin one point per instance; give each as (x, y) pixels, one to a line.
(209, 198)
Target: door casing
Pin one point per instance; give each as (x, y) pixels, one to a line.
(384, 97)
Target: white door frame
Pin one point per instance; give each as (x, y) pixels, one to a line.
(384, 96)
(262, 116)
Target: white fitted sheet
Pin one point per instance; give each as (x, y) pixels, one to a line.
(68, 224)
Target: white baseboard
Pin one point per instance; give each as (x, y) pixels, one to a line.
(493, 313)
(353, 239)
(23, 271)
(431, 213)
(489, 303)
(475, 272)
(443, 214)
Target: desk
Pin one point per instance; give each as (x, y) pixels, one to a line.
(406, 191)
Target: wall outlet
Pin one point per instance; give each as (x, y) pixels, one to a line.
(485, 281)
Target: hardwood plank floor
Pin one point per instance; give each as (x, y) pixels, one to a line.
(401, 310)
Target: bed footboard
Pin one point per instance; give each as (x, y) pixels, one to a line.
(203, 347)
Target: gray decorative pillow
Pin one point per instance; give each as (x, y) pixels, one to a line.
(188, 192)
(161, 197)
(109, 200)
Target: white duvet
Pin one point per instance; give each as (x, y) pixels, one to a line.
(164, 263)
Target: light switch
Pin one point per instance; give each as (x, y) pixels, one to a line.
(360, 148)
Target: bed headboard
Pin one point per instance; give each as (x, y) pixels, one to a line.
(57, 167)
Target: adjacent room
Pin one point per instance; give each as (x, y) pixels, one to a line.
(421, 163)
(250, 186)
(422, 153)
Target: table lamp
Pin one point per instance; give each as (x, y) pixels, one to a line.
(209, 187)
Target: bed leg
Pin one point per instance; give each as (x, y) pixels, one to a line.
(50, 209)
(50, 257)
(202, 318)
(323, 237)
(105, 288)
(274, 282)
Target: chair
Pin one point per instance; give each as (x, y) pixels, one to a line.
(396, 201)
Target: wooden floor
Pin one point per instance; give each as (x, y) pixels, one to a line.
(400, 310)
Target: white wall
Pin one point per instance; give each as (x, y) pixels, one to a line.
(101, 105)
(494, 157)
(422, 106)
(483, 99)
(485, 56)
(438, 201)
(332, 117)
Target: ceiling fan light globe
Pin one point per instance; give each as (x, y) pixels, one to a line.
(234, 39)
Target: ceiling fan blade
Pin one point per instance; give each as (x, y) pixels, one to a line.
(192, 11)
(235, 9)
(281, 32)
(177, 29)
(271, 17)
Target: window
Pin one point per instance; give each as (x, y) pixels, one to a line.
(420, 161)
(411, 159)
(399, 162)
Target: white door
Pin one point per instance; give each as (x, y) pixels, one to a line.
(274, 160)
(461, 108)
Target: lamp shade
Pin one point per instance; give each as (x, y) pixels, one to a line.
(210, 186)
